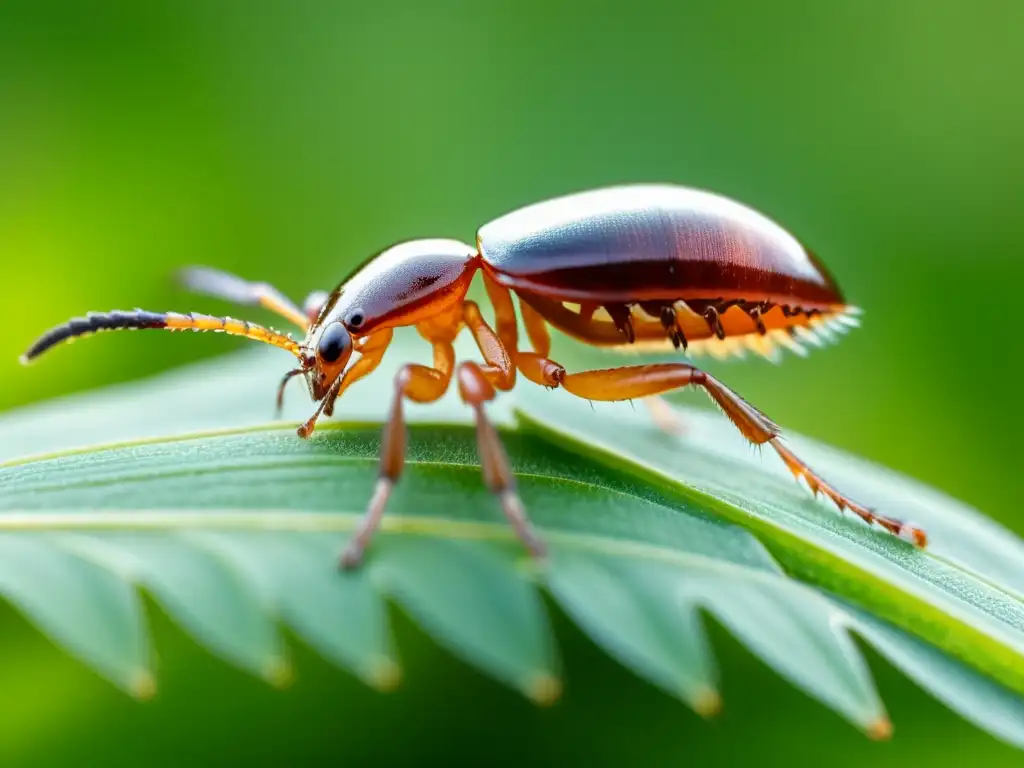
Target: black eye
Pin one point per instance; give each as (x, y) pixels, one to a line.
(355, 319)
(334, 344)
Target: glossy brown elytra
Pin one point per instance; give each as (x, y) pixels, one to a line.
(625, 267)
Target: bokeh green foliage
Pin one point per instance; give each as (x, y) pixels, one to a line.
(288, 141)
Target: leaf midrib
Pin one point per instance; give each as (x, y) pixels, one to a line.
(295, 520)
(706, 492)
(551, 478)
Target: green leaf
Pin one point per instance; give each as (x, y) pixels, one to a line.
(212, 601)
(234, 525)
(475, 602)
(953, 594)
(92, 612)
(987, 705)
(635, 612)
(811, 647)
(344, 619)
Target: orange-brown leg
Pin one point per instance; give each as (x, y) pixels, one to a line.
(536, 329)
(533, 365)
(476, 389)
(499, 369)
(664, 416)
(504, 313)
(541, 372)
(477, 386)
(420, 384)
(223, 285)
(646, 380)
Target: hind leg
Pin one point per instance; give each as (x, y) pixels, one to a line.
(534, 367)
(641, 381)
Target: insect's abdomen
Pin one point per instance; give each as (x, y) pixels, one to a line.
(649, 266)
(653, 242)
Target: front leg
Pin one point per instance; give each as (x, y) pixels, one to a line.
(419, 384)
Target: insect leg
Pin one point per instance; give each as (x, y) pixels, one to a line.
(499, 370)
(285, 380)
(533, 365)
(622, 318)
(314, 305)
(476, 389)
(631, 382)
(419, 384)
(536, 329)
(504, 313)
(222, 285)
(645, 380)
(478, 384)
(664, 416)
(536, 367)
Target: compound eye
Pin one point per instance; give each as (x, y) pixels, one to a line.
(334, 344)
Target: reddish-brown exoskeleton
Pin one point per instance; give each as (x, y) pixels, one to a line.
(627, 267)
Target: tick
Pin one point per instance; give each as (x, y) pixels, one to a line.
(627, 267)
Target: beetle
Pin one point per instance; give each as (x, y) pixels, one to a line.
(637, 266)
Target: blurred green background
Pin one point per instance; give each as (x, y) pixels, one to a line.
(289, 140)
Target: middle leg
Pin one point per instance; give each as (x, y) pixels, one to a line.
(420, 384)
(478, 385)
(476, 390)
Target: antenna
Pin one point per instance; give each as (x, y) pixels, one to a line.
(97, 322)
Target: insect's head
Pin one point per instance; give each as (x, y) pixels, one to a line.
(325, 357)
(336, 329)
(401, 286)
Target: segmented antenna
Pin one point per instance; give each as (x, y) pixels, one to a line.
(96, 322)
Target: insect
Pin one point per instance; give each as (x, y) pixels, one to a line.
(628, 267)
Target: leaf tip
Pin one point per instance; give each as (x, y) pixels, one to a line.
(384, 674)
(880, 729)
(142, 685)
(544, 689)
(707, 702)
